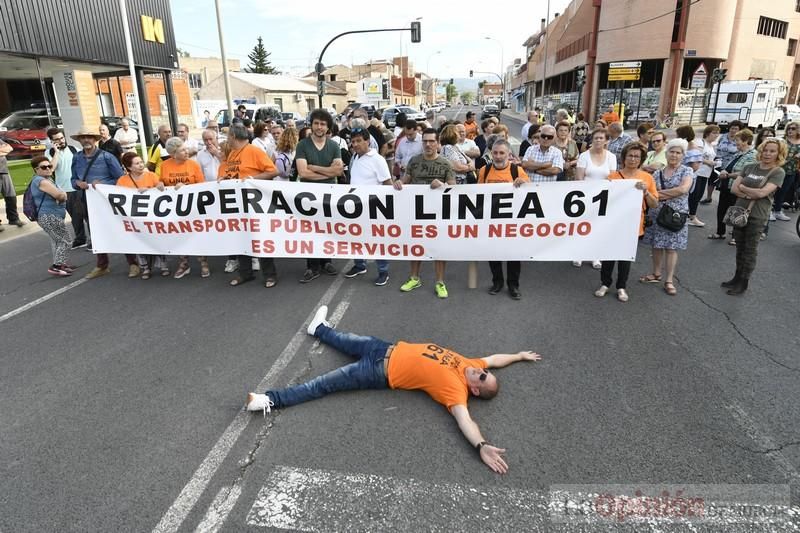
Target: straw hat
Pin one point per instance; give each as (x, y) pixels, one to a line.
(85, 131)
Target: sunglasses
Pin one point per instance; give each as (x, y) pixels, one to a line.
(542, 136)
(45, 167)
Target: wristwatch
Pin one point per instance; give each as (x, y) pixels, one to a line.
(480, 445)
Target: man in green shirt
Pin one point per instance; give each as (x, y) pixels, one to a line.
(428, 168)
(319, 160)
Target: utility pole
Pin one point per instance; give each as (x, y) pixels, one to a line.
(225, 74)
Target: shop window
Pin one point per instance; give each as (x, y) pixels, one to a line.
(772, 27)
(792, 47)
(737, 98)
(195, 81)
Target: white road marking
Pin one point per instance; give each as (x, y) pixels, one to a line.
(227, 497)
(318, 500)
(303, 499)
(174, 516)
(30, 305)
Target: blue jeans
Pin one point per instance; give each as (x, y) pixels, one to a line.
(383, 265)
(366, 373)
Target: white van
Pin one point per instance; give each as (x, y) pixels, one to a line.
(757, 103)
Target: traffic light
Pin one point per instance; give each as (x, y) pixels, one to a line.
(470, 73)
(416, 32)
(718, 74)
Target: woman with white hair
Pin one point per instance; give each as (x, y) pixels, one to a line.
(176, 172)
(673, 183)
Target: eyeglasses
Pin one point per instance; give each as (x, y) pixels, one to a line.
(482, 377)
(543, 136)
(356, 130)
(791, 129)
(45, 167)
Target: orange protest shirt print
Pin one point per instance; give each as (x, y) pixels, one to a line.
(244, 163)
(187, 172)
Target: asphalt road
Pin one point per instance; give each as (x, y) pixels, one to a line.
(120, 400)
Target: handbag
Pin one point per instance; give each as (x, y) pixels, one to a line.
(738, 216)
(668, 218)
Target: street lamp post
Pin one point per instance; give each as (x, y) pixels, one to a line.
(428, 72)
(503, 77)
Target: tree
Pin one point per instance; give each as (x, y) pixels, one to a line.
(467, 97)
(259, 60)
(481, 84)
(183, 53)
(451, 92)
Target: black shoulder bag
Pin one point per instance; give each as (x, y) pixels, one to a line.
(668, 218)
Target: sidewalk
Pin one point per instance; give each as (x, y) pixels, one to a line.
(13, 232)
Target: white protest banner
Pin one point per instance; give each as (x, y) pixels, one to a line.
(586, 220)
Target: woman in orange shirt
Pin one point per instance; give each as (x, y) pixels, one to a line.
(176, 172)
(633, 154)
(179, 170)
(141, 179)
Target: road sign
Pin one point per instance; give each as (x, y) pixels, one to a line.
(623, 77)
(624, 71)
(699, 77)
(625, 64)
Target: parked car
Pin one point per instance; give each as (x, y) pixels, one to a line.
(490, 110)
(390, 113)
(356, 105)
(115, 123)
(299, 120)
(26, 132)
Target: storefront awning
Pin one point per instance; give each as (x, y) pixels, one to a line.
(518, 93)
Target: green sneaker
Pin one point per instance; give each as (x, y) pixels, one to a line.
(441, 290)
(411, 284)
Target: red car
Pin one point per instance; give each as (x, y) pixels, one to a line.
(26, 132)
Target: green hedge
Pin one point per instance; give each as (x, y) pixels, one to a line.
(21, 174)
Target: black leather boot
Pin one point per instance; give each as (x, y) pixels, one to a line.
(732, 282)
(739, 288)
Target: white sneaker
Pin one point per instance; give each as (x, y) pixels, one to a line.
(259, 402)
(694, 221)
(231, 265)
(780, 216)
(622, 296)
(319, 319)
(772, 216)
(597, 265)
(576, 264)
(256, 264)
(601, 291)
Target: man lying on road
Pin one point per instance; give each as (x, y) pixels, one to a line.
(446, 376)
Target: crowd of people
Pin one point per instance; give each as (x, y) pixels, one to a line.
(754, 173)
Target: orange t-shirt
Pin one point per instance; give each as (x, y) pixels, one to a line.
(148, 180)
(429, 367)
(472, 130)
(648, 180)
(500, 176)
(244, 163)
(609, 117)
(186, 172)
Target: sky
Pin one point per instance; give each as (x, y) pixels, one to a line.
(453, 33)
